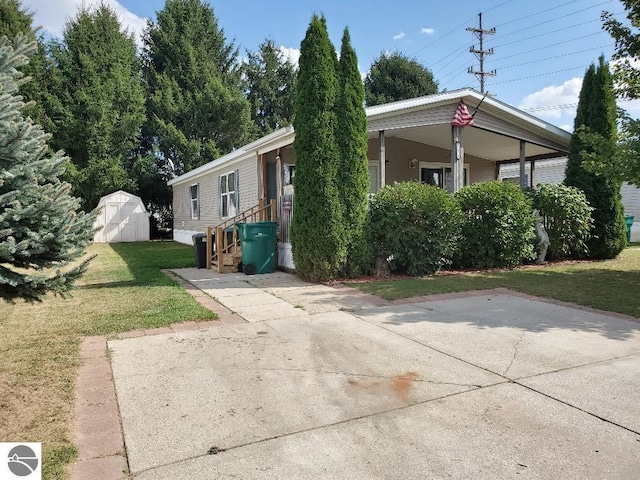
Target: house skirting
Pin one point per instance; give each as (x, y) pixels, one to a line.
(184, 236)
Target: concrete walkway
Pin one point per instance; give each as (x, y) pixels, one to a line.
(324, 382)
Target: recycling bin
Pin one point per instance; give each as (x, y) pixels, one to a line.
(628, 219)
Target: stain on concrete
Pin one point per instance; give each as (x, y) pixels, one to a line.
(401, 384)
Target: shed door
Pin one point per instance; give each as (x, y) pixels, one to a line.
(128, 232)
(112, 223)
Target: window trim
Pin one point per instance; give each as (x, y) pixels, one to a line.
(195, 210)
(443, 165)
(221, 194)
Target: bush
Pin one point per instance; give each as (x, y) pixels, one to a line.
(498, 229)
(417, 226)
(566, 216)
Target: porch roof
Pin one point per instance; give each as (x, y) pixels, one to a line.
(495, 136)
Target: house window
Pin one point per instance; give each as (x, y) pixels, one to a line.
(195, 201)
(229, 194)
(440, 175)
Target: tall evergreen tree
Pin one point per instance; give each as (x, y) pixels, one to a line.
(270, 85)
(317, 238)
(103, 103)
(15, 19)
(394, 76)
(196, 106)
(41, 230)
(353, 173)
(596, 114)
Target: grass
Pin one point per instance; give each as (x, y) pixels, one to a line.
(610, 285)
(123, 289)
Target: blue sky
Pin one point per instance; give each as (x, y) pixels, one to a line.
(541, 49)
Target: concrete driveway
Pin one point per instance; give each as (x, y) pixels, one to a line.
(323, 383)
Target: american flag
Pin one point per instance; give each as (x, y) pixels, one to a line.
(462, 117)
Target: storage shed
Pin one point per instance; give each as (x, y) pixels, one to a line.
(122, 217)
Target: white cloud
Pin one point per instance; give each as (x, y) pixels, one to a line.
(292, 54)
(52, 16)
(399, 36)
(427, 31)
(549, 101)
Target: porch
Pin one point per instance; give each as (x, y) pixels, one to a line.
(414, 140)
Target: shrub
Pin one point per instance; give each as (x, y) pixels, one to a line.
(417, 226)
(498, 229)
(566, 217)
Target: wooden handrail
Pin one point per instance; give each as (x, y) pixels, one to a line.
(225, 249)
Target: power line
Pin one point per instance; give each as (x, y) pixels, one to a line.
(556, 56)
(536, 13)
(540, 75)
(550, 21)
(547, 33)
(551, 46)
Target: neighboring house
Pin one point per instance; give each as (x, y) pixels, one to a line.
(122, 217)
(552, 171)
(408, 140)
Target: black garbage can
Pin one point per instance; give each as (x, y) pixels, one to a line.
(200, 244)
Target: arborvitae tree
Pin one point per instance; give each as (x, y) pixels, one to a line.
(316, 231)
(103, 103)
(353, 173)
(596, 114)
(270, 85)
(394, 76)
(41, 229)
(196, 107)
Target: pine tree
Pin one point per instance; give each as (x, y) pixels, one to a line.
(41, 230)
(196, 108)
(596, 114)
(103, 103)
(317, 238)
(15, 19)
(353, 172)
(270, 79)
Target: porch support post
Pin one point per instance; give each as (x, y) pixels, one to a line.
(382, 159)
(263, 177)
(532, 174)
(457, 158)
(523, 181)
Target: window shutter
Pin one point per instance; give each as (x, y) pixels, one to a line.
(220, 196)
(237, 191)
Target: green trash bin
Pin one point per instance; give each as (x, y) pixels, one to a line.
(258, 247)
(628, 219)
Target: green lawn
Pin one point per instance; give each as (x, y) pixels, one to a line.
(123, 289)
(611, 285)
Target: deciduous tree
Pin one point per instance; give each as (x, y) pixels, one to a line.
(394, 76)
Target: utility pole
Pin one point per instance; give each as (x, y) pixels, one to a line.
(480, 53)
